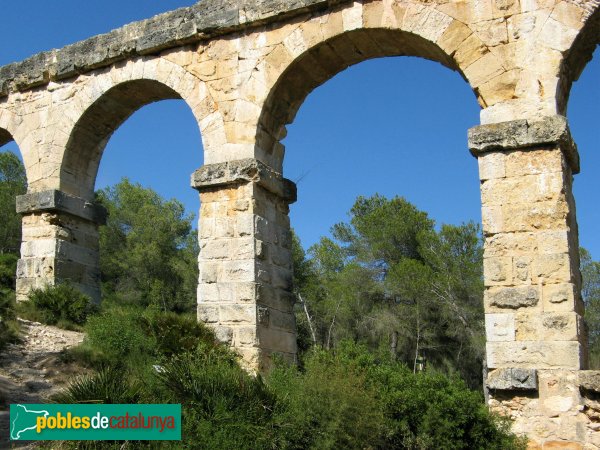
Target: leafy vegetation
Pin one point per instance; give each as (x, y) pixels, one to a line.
(345, 398)
(12, 183)
(60, 305)
(148, 250)
(390, 280)
(387, 292)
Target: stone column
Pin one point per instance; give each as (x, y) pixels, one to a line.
(59, 243)
(245, 282)
(536, 339)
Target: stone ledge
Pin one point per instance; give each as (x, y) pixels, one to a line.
(525, 134)
(203, 21)
(53, 200)
(248, 170)
(589, 380)
(512, 379)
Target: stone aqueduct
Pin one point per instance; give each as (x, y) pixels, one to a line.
(244, 69)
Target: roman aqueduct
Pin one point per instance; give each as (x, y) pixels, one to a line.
(244, 68)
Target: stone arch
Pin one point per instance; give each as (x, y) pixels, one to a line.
(576, 59)
(116, 95)
(430, 34)
(10, 131)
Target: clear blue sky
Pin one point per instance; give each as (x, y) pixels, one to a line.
(396, 126)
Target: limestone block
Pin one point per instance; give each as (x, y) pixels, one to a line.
(492, 219)
(470, 50)
(237, 271)
(492, 32)
(589, 380)
(483, 69)
(534, 354)
(276, 340)
(512, 379)
(512, 297)
(245, 336)
(528, 188)
(497, 270)
(454, 35)
(554, 268)
(209, 272)
(500, 327)
(208, 313)
(229, 313)
(556, 35)
(500, 88)
(547, 326)
(522, 269)
(223, 334)
(520, 163)
(216, 249)
(568, 14)
(552, 242)
(352, 17)
(504, 244)
(559, 297)
(544, 215)
(282, 320)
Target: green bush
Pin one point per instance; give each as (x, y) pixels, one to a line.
(8, 270)
(175, 333)
(339, 399)
(347, 399)
(117, 334)
(9, 327)
(106, 386)
(61, 305)
(223, 406)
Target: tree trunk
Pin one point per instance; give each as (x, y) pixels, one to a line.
(394, 346)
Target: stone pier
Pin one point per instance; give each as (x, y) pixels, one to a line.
(535, 333)
(59, 243)
(245, 287)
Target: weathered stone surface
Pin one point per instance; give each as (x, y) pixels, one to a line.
(54, 200)
(590, 380)
(244, 171)
(512, 379)
(204, 20)
(513, 297)
(523, 134)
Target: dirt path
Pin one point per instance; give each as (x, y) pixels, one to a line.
(31, 371)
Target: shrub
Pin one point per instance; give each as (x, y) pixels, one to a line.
(117, 335)
(175, 333)
(223, 406)
(106, 386)
(328, 406)
(8, 270)
(9, 327)
(61, 305)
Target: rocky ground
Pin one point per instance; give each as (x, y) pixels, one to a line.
(32, 370)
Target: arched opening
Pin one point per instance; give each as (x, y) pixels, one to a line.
(582, 113)
(14, 183)
(133, 206)
(93, 130)
(365, 131)
(324, 60)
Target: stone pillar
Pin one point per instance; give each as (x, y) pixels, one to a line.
(536, 339)
(245, 282)
(59, 243)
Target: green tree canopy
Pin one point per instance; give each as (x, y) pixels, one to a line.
(389, 278)
(148, 249)
(13, 182)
